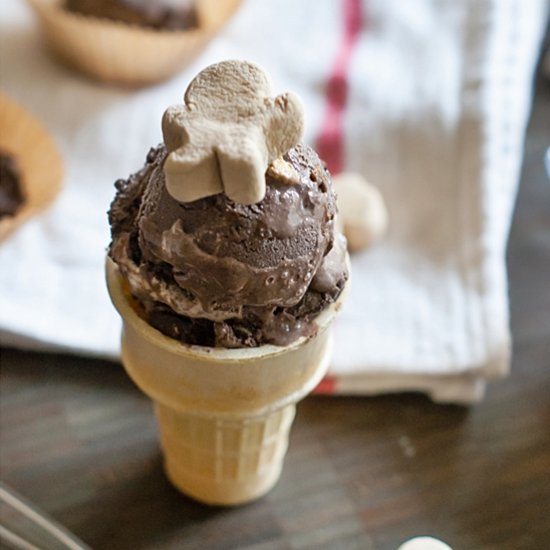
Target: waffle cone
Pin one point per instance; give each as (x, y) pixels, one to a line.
(224, 414)
(124, 54)
(29, 142)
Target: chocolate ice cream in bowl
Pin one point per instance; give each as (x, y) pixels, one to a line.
(227, 270)
(31, 168)
(130, 43)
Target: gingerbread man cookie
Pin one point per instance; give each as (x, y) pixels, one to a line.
(227, 133)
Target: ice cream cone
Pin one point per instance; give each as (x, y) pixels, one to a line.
(224, 414)
(124, 54)
(24, 137)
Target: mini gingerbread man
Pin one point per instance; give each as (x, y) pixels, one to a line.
(227, 133)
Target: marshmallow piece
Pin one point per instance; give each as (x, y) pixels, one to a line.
(362, 213)
(424, 543)
(283, 171)
(227, 133)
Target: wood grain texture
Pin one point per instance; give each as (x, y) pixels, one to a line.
(79, 440)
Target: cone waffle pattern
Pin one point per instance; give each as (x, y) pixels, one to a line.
(207, 455)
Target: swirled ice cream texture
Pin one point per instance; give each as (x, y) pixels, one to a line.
(219, 273)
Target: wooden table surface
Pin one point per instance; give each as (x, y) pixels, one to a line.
(79, 440)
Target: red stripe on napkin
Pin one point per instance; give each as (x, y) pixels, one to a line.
(327, 385)
(329, 143)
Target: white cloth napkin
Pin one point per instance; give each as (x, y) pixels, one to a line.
(438, 98)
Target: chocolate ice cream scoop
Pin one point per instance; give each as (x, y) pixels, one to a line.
(228, 254)
(241, 274)
(225, 245)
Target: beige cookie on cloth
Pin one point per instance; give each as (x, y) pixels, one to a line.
(362, 213)
(227, 133)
